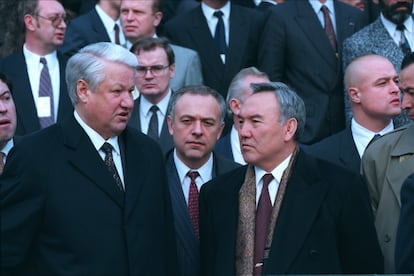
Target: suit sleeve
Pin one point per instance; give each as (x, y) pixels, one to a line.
(22, 199)
(272, 49)
(404, 248)
(193, 75)
(359, 247)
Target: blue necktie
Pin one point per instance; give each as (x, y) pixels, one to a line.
(219, 35)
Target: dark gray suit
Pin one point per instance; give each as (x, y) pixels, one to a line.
(339, 149)
(82, 31)
(191, 30)
(296, 50)
(187, 244)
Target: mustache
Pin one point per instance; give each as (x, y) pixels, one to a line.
(397, 5)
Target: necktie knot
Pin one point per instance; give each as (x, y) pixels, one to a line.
(193, 175)
(154, 109)
(43, 61)
(266, 179)
(218, 14)
(107, 148)
(401, 27)
(324, 9)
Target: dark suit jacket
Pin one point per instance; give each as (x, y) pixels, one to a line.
(325, 224)
(339, 149)
(242, 49)
(187, 244)
(295, 50)
(223, 147)
(14, 66)
(82, 31)
(404, 247)
(165, 140)
(64, 214)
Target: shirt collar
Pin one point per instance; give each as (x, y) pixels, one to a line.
(96, 139)
(107, 21)
(33, 59)
(316, 5)
(208, 11)
(392, 28)
(162, 105)
(205, 171)
(6, 149)
(276, 172)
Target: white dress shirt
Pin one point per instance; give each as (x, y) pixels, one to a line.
(34, 68)
(204, 171)
(109, 25)
(395, 34)
(363, 136)
(274, 184)
(316, 5)
(145, 113)
(97, 141)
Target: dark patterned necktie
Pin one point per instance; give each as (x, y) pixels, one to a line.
(329, 27)
(193, 201)
(153, 124)
(219, 34)
(263, 213)
(2, 156)
(109, 162)
(45, 90)
(403, 44)
(116, 29)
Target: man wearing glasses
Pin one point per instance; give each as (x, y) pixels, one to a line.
(38, 71)
(156, 69)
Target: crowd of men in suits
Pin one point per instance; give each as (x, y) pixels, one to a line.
(211, 137)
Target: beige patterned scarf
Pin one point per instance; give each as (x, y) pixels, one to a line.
(247, 218)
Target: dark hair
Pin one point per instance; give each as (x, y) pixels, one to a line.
(197, 90)
(150, 43)
(408, 60)
(7, 81)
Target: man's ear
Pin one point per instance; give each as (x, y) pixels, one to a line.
(354, 95)
(82, 88)
(291, 127)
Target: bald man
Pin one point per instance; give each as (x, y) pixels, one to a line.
(371, 82)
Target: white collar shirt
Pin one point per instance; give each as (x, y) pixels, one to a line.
(316, 5)
(395, 34)
(109, 25)
(145, 113)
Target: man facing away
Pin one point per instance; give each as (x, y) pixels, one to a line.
(286, 212)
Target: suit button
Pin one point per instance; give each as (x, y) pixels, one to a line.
(313, 253)
(387, 238)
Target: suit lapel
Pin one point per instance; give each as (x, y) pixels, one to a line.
(184, 229)
(348, 153)
(304, 195)
(345, 24)
(312, 28)
(134, 121)
(84, 158)
(65, 105)
(98, 27)
(206, 45)
(166, 141)
(23, 99)
(237, 39)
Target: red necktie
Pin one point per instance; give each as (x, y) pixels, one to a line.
(193, 201)
(263, 212)
(329, 27)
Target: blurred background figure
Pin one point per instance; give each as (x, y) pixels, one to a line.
(37, 70)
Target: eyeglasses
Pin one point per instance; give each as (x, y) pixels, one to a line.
(56, 19)
(155, 70)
